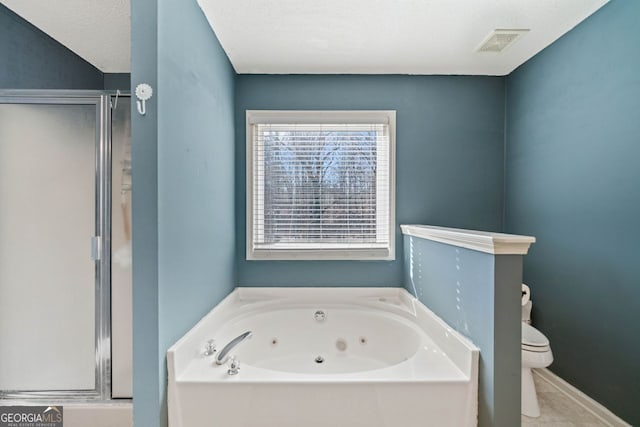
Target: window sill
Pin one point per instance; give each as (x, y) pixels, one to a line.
(382, 254)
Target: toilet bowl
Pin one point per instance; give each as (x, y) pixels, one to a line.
(536, 353)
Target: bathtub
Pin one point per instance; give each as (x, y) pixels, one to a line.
(324, 357)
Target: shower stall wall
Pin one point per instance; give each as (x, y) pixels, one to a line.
(57, 339)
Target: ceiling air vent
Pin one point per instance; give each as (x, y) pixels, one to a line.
(499, 40)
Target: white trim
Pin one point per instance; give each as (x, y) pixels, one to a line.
(322, 254)
(483, 241)
(387, 117)
(320, 116)
(596, 409)
(391, 115)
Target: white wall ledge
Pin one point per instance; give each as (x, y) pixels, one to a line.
(483, 241)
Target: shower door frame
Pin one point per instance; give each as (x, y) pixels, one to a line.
(100, 250)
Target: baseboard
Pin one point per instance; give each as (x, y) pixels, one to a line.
(598, 410)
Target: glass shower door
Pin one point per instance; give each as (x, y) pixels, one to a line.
(51, 275)
(121, 260)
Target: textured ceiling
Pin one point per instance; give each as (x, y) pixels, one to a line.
(386, 36)
(96, 30)
(329, 36)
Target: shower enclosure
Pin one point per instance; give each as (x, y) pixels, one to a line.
(65, 245)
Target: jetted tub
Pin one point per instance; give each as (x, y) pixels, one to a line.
(324, 357)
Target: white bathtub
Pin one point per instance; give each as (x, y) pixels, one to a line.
(387, 361)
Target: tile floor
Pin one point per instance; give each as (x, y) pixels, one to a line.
(558, 410)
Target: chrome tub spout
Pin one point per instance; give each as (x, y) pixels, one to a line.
(223, 356)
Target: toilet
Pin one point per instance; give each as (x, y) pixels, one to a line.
(536, 353)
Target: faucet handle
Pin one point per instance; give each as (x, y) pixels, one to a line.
(234, 366)
(209, 348)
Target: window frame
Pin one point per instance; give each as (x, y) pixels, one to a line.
(254, 117)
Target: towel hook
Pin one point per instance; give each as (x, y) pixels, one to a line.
(143, 92)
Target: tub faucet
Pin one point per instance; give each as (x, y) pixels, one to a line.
(234, 366)
(223, 356)
(209, 348)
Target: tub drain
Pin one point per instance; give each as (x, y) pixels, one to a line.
(319, 359)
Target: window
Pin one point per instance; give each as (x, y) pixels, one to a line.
(320, 184)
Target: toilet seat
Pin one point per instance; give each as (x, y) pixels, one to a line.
(533, 339)
(534, 349)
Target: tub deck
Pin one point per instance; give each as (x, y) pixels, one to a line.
(387, 362)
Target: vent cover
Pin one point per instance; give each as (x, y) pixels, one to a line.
(499, 40)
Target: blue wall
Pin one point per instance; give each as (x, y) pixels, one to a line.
(183, 171)
(573, 181)
(148, 360)
(30, 59)
(113, 81)
(196, 215)
(449, 149)
(477, 294)
(196, 250)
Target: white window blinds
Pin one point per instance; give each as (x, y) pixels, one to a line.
(321, 187)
